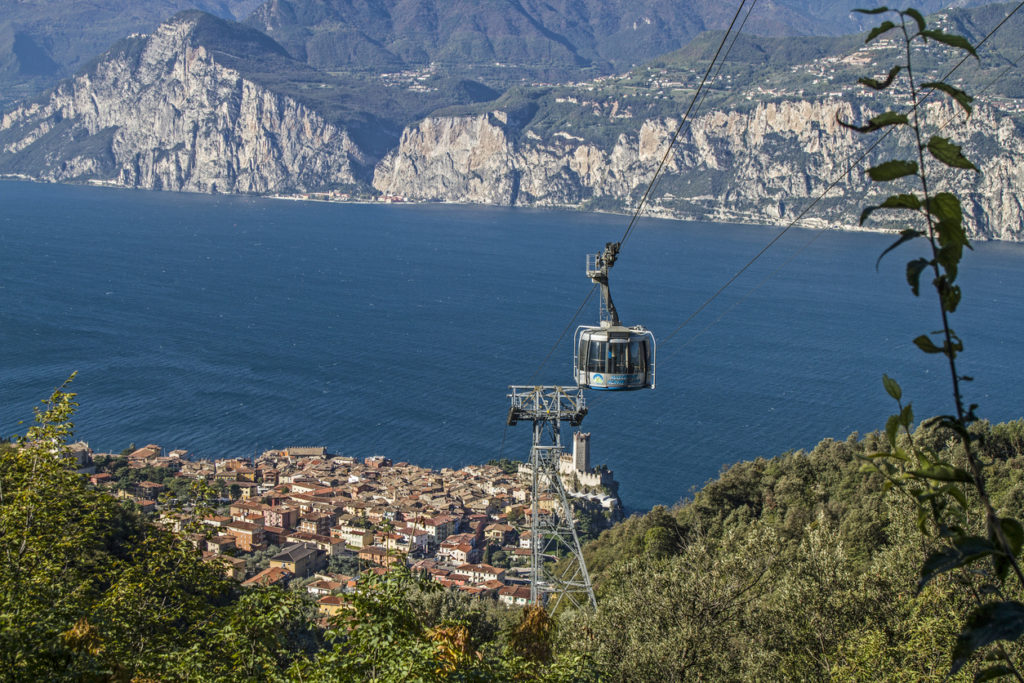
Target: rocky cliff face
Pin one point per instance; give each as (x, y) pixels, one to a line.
(763, 166)
(160, 112)
(189, 108)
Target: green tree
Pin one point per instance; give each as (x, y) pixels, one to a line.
(380, 638)
(257, 637)
(949, 490)
(343, 564)
(89, 590)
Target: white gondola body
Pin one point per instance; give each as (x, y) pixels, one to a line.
(614, 357)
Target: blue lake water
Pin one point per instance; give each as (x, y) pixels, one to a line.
(230, 325)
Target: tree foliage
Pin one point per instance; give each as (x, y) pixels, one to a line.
(795, 567)
(89, 590)
(92, 591)
(805, 566)
(949, 488)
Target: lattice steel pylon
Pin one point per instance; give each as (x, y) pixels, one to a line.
(557, 567)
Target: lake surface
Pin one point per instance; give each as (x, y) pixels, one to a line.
(231, 325)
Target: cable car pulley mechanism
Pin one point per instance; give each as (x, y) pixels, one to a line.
(611, 356)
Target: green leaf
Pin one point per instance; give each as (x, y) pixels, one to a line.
(922, 458)
(989, 623)
(879, 85)
(950, 297)
(896, 201)
(879, 30)
(892, 387)
(945, 206)
(892, 427)
(907, 416)
(902, 201)
(874, 10)
(957, 494)
(925, 344)
(914, 270)
(956, 93)
(905, 236)
(1014, 533)
(916, 16)
(992, 673)
(949, 258)
(948, 153)
(951, 234)
(889, 118)
(964, 551)
(950, 39)
(922, 520)
(890, 170)
(943, 472)
(948, 422)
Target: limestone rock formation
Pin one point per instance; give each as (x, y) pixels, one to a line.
(207, 106)
(761, 166)
(161, 112)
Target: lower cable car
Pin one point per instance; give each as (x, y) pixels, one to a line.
(611, 356)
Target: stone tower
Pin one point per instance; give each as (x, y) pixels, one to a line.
(581, 451)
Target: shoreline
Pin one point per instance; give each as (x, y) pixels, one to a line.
(722, 216)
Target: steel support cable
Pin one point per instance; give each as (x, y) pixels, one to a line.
(803, 212)
(683, 121)
(572, 320)
(718, 72)
(695, 100)
(812, 204)
(832, 185)
(817, 234)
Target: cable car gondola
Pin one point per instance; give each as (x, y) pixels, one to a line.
(611, 356)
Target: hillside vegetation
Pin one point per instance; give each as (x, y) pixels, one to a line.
(798, 567)
(42, 41)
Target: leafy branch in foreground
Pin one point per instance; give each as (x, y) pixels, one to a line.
(950, 494)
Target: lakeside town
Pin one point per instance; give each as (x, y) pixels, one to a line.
(315, 521)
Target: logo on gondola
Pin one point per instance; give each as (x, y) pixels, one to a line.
(597, 379)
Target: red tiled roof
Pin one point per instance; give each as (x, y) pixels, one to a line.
(268, 577)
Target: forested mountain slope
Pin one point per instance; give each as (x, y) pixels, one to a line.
(798, 567)
(42, 41)
(561, 41)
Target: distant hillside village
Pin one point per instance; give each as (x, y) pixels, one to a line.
(306, 518)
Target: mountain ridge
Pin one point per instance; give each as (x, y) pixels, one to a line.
(589, 145)
(42, 41)
(161, 112)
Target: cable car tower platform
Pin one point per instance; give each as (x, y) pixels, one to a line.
(557, 567)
